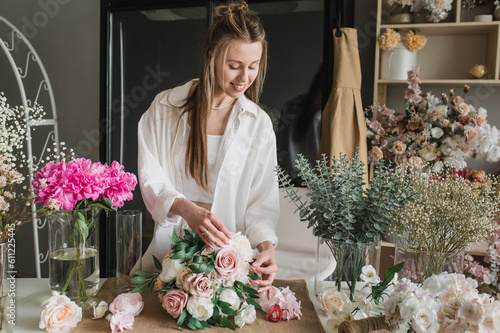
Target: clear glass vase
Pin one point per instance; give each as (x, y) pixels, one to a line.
(74, 254)
(339, 264)
(420, 263)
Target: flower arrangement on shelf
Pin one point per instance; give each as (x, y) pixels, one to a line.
(389, 39)
(445, 131)
(203, 287)
(447, 302)
(451, 214)
(435, 10)
(79, 189)
(341, 209)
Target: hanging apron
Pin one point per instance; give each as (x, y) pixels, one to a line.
(343, 121)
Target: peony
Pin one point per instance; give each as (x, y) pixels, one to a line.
(290, 305)
(247, 315)
(369, 274)
(121, 321)
(227, 264)
(275, 313)
(199, 285)
(241, 243)
(330, 298)
(60, 314)
(174, 302)
(200, 308)
(128, 303)
(100, 310)
(399, 147)
(264, 300)
(229, 296)
(170, 269)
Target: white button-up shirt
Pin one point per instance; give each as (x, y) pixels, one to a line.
(246, 198)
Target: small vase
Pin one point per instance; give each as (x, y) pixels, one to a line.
(339, 264)
(421, 264)
(74, 255)
(395, 64)
(400, 14)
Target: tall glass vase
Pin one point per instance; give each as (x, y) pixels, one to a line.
(74, 254)
(339, 264)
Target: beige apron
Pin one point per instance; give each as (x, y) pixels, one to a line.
(343, 121)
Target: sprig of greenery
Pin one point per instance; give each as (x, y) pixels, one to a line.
(378, 290)
(340, 207)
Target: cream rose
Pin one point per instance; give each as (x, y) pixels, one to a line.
(463, 109)
(128, 303)
(470, 134)
(60, 314)
(199, 285)
(229, 296)
(399, 147)
(242, 243)
(200, 308)
(174, 302)
(247, 315)
(478, 120)
(331, 298)
(170, 269)
(227, 264)
(182, 276)
(376, 153)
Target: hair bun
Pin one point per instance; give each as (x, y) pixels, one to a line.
(233, 7)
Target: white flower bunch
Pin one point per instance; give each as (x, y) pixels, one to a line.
(447, 302)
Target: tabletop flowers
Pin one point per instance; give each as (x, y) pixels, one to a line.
(59, 314)
(203, 287)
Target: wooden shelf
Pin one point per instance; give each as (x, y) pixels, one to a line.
(470, 82)
(448, 29)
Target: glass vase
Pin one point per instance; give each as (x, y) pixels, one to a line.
(339, 264)
(420, 263)
(74, 255)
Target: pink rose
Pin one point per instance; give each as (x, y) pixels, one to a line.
(478, 120)
(60, 314)
(464, 119)
(376, 153)
(121, 321)
(199, 285)
(470, 134)
(174, 302)
(400, 160)
(399, 147)
(457, 100)
(227, 263)
(463, 109)
(130, 303)
(445, 123)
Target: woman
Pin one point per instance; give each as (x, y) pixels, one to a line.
(207, 152)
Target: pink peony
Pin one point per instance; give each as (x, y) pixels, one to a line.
(121, 185)
(128, 303)
(121, 321)
(174, 301)
(290, 305)
(227, 263)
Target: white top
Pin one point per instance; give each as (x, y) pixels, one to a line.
(191, 190)
(246, 198)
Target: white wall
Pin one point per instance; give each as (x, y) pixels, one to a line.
(65, 34)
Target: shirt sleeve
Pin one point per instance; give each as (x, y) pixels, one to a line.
(157, 189)
(263, 210)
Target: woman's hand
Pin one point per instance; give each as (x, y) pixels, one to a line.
(211, 230)
(265, 264)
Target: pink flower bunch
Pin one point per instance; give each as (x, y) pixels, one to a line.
(480, 273)
(124, 308)
(286, 300)
(62, 185)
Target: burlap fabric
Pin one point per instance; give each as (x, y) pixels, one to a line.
(154, 318)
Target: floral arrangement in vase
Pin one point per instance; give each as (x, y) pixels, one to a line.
(437, 10)
(444, 130)
(389, 39)
(344, 213)
(447, 302)
(451, 214)
(203, 287)
(78, 190)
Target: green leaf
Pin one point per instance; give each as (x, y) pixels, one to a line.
(197, 259)
(145, 273)
(226, 323)
(139, 288)
(81, 227)
(181, 318)
(157, 264)
(195, 322)
(139, 279)
(178, 255)
(251, 301)
(216, 314)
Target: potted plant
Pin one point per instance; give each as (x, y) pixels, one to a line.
(344, 213)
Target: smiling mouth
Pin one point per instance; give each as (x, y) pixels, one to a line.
(238, 87)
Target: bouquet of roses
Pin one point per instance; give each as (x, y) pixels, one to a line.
(445, 131)
(203, 287)
(447, 302)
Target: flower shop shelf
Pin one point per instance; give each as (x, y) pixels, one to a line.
(457, 82)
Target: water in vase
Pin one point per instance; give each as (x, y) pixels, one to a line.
(62, 262)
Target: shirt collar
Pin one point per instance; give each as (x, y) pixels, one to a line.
(177, 98)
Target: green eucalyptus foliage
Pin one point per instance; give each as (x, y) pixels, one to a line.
(339, 206)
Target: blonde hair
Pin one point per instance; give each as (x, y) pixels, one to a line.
(232, 23)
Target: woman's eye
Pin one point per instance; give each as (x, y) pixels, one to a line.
(252, 68)
(232, 67)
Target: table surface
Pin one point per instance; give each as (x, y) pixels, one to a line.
(30, 293)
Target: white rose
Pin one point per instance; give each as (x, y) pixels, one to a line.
(170, 269)
(200, 308)
(426, 320)
(437, 132)
(100, 310)
(369, 274)
(482, 112)
(409, 307)
(229, 296)
(243, 271)
(60, 314)
(247, 315)
(243, 245)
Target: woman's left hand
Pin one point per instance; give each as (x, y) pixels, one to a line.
(265, 264)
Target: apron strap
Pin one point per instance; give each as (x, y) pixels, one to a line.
(340, 17)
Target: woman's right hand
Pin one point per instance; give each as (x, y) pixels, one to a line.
(203, 222)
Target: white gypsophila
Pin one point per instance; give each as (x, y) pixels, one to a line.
(437, 132)
(247, 315)
(170, 269)
(369, 274)
(200, 308)
(230, 296)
